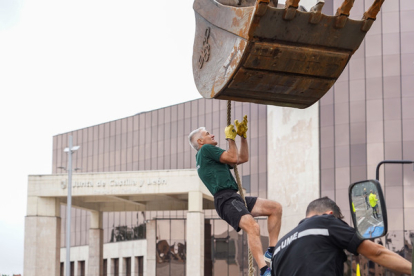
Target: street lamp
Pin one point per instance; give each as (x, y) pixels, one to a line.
(70, 150)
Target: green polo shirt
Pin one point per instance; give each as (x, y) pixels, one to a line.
(214, 174)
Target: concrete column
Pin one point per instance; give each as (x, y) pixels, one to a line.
(195, 234)
(121, 265)
(75, 267)
(95, 260)
(134, 262)
(150, 268)
(42, 237)
(293, 145)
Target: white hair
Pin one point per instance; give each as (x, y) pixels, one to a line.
(194, 136)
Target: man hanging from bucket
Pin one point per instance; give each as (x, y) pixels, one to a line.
(213, 167)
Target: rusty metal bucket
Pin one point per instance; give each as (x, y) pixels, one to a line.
(277, 55)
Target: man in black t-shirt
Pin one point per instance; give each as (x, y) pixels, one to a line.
(316, 246)
(213, 167)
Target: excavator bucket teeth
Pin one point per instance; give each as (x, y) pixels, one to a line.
(264, 52)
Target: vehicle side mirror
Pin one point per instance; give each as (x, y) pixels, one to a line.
(368, 210)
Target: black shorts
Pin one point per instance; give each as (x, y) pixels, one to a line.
(230, 206)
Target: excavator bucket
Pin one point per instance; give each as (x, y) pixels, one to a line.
(264, 52)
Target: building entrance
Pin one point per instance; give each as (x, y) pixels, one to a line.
(112, 192)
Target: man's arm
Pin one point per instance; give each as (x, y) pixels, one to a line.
(230, 156)
(382, 256)
(244, 151)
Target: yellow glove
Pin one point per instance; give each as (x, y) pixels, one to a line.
(242, 127)
(230, 132)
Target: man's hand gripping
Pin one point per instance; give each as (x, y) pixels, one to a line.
(242, 127)
(230, 132)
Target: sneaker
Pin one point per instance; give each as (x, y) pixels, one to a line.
(267, 273)
(268, 256)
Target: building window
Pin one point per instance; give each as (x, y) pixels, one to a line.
(62, 269)
(127, 266)
(105, 267)
(115, 267)
(171, 247)
(72, 268)
(118, 232)
(81, 268)
(139, 266)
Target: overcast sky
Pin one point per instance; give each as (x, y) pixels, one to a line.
(66, 65)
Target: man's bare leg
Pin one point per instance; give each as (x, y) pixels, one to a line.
(273, 211)
(252, 229)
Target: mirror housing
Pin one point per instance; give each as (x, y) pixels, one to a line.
(368, 209)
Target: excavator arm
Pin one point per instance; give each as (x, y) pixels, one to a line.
(264, 52)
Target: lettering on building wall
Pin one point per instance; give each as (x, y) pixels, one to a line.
(63, 184)
(115, 183)
(127, 182)
(82, 184)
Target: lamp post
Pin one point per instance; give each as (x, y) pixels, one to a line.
(70, 150)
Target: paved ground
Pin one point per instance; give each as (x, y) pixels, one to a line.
(366, 223)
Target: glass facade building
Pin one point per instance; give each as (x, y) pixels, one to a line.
(158, 140)
(368, 117)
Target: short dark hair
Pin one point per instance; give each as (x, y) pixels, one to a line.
(322, 205)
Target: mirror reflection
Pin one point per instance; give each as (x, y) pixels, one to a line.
(367, 210)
